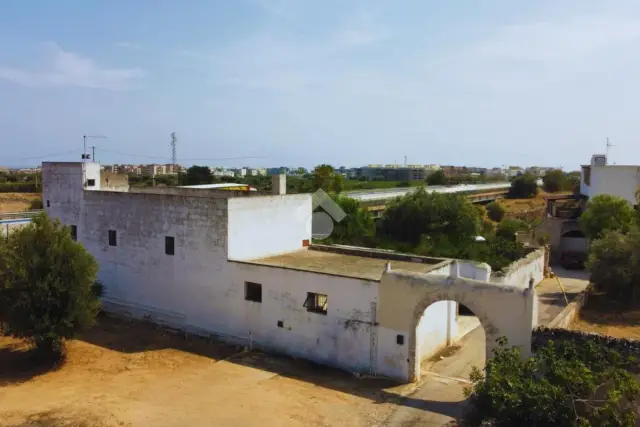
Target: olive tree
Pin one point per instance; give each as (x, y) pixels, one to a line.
(606, 212)
(48, 289)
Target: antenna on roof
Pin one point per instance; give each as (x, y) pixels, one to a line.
(609, 145)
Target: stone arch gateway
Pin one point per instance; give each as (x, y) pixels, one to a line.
(503, 310)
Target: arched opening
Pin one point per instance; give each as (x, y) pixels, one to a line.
(445, 329)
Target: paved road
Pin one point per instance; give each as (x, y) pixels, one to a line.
(440, 396)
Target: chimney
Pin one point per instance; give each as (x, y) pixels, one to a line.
(279, 184)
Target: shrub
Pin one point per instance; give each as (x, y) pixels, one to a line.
(564, 384)
(509, 227)
(47, 285)
(523, 187)
(606, 212)
(495, 211)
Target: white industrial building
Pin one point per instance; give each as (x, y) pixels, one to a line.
(239, 266)
(617, 180)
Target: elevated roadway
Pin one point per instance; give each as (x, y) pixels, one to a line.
(375, 201)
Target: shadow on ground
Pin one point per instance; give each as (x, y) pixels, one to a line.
(131, 336)
(556, 298)
(602, 310)
(19, 363)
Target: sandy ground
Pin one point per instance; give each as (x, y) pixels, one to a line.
(125, 373)
(608, 319)
(17, 202)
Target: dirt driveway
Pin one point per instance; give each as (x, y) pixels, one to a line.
(126, 373)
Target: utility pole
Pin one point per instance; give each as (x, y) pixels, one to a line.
(85, 156)
(174, 155)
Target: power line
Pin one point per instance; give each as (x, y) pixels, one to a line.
(189, 159)
(48, 155)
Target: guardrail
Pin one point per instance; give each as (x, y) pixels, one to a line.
(20, 215)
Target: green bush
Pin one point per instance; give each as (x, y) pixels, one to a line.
(36, 204)
(18, 187)
(509, 227)
(523, 187)
(614, 263)
(606, 212)
(47, 285)
(496, 211)
(564, 385)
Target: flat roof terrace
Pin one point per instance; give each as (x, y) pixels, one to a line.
(359, 265)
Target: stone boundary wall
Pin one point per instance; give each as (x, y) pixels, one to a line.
(625, 347)
(568, 314)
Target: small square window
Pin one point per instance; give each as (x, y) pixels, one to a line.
(316, 303)
(112, 238)
(169, 245)
(74, 232)
(48, 204)
(253, 291)
(280, 324)
(400, 339)
(91, 182)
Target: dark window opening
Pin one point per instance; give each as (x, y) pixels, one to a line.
(74, 232)
(253, 291)
(91, 182)
(400, 339)
(112, 238)
(280, 324)
(169, 245)
(316, 303)
(48, 204)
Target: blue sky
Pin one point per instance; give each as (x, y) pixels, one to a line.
(288, 82)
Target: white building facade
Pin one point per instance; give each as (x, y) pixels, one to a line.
(241, 268)
(617, 180)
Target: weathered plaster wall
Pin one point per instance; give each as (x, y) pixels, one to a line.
(522, 271)
(436, 328)
(139, 272)
(342, 338)
(110, 181)
(268, 225)
(503, 310)
(617, 180)
(62, 191)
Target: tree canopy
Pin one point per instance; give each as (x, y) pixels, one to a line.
(606, 212)
(555, 180)
(47, 285)
(523, 187)
(326, 178)
(437, 178)
(356, 228)
(197, 175)
(496, 211)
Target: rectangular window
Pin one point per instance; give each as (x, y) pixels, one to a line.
(316, 303)
(112, 238)
(253, 291)
(48, 204)
(91, 182)
(169, 245)
(74, 232)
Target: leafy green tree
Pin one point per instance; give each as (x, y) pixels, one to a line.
(197, 175)
(509, 227)
(496, 211)
(444, 218)
(326, 178)
(524, 186)
(47, 285)
(357, 228)
(555, 180)
(566, 384)
(606, 212)
(614, 263)
(437, 178)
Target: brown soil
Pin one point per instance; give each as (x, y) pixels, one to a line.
(606, 317)
(17, 202)
(129, 373)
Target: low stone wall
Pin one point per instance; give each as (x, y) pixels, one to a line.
(520, 272)
(566, 316)
(625, 347)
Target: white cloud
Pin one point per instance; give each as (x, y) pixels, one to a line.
(71, 69)
(549, 41)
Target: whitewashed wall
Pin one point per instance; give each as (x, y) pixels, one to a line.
(341, 338)
(436, 328)
(268, 225)
(520, 272)
(617, 180)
